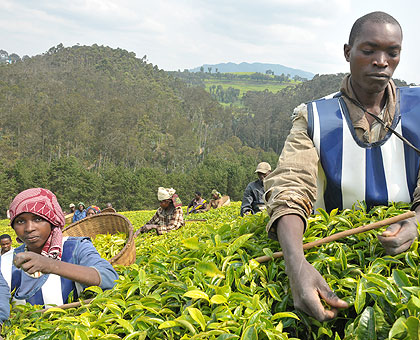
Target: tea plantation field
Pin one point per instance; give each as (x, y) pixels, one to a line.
(201, 282)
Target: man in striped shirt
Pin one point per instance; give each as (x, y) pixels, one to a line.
(338, 151)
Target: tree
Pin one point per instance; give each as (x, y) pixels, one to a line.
(14, 58)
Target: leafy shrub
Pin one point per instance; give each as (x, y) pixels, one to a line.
(201, 282)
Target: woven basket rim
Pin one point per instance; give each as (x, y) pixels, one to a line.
(130, 237)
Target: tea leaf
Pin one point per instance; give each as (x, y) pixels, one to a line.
(198, 317)
(218, 299)
(366, 327)
(238, 243)
(191, 243)
(209, 269)
(413, 327)
(397, 328)
(360, 300)
(250, 333)
(284, 315)
(197, 294)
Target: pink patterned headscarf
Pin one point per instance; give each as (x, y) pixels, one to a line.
(43, 203)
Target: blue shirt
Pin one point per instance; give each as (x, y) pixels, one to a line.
(78, 215)
(76, 250)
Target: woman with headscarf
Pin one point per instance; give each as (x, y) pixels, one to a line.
(92, 210)
(168, 217)
(47, 267)
(217, 200)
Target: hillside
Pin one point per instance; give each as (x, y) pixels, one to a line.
(100, 125)
(229, 88)
(105, 105)
(97, 124)
(277, 69)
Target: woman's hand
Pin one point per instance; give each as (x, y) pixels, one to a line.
(147, 227)
(144, 229)
(32, 262)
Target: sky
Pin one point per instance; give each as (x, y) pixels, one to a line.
(183, 34)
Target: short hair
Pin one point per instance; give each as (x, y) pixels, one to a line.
(376, 17)
(5, 236)
(198, 193)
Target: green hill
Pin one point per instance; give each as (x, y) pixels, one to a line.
(229, 88)
(253, 68)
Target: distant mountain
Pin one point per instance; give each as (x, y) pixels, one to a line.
(255, 67)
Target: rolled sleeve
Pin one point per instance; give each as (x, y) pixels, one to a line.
(154, 219)
(87, 255)
(291, 187)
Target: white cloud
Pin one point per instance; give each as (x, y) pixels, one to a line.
(178, 34)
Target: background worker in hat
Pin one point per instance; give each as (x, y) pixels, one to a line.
(252, 202)
(72, 208)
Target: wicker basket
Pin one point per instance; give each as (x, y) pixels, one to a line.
(107, 223)
(69, 218)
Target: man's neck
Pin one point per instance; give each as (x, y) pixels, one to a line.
(373, 102)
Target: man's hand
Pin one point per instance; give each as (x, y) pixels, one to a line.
(308, 287)
(32, 262)
(399, 236)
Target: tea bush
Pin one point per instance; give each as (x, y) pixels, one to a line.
(201, 282)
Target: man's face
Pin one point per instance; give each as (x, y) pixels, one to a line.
(261, 176)
(6, 245)
(374, 56)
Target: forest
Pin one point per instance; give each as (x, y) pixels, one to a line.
(98, 124)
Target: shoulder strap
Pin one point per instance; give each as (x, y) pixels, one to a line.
(385, 125)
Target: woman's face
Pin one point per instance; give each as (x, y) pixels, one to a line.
(32, 230)
(164, 204)
(90, 212)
